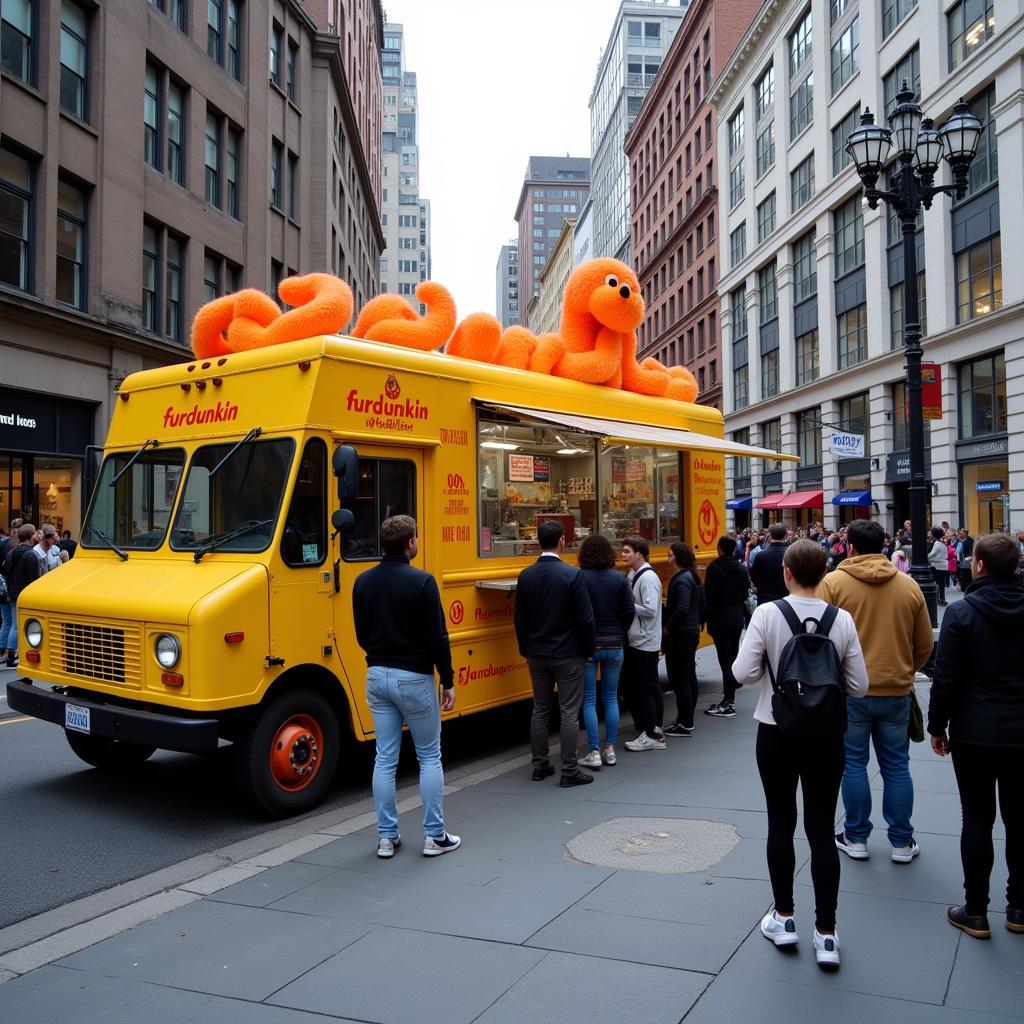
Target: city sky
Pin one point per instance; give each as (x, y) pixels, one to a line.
(496, 83)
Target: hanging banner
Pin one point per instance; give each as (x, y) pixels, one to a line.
(931, 391)
(848, 446)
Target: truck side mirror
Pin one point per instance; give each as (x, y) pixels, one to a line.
(342, 520)
(345, 463)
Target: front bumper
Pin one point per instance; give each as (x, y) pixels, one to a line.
(116, 721)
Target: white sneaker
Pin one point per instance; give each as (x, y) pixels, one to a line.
(645, 742)
(856, 851)
(608, 755)
(905, 854)
(386, 847)
(592, 760)
(826, 949)
(780, 930)
(445, 844)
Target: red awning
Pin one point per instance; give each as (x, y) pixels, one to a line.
(802, 499)
(769, 501)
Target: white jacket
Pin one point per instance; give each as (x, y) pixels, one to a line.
(645, 633)
(938, 556)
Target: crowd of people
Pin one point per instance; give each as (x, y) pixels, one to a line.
(835, 632)
(26, 553)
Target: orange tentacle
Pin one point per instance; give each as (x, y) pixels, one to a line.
(597, 366)
(254, 313)
(644, 380)
(382, 308)
(323, 305)
(423, 333)
(209, 327)
(477, 337)
(516, 348)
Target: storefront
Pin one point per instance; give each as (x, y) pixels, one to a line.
(853, 504)
(741, 509)
(897, 475)
(43, 443)
(984, 485)
(805, 506)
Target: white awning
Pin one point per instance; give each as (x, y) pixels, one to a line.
(617, 432)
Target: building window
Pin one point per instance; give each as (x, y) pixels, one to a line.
(276, 36)
(292, 71)
(982, 405)
(768, 293)
(807, 357)
(979, 280)
(741, 387)
(151, 117)
(909, 67)
(176, 10)
(837, 8)
(172, 311)
(800, 44)
(802, 183)
(175, 133)
(16, 224)
(855, 417)
(985, 166)
(848, 228)
(766, 148)
(17, 39)
(765, 92)
(276, 185)
(212, 159)
(771, 437)
(845, 55)
(215, 30)
(737, 184)
(893, 12)
(969, 23)
(70, 245)
(841, 132)
(738, 244)
(770, 374)
(234, 64)
(293, 186)
(852, 331)
(766, 217)
(805, 268)
(808, 432)
(736, 133)
(741, 463)
(801, 107)
(896, 311)
(74, 35)
(738, 300)
(233, 155)
(150, 277)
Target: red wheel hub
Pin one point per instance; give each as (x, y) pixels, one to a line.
(296, 752)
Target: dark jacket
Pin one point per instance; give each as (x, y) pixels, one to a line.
(978, 685)
(766, 573)
(612, 601)
(682, 608)
(553, 615)
(399, 619)
(21, 567)
(726, 586)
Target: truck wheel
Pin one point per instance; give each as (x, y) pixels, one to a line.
(286, 760)
(105, 753)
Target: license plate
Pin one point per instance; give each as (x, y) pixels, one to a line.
(76, 718)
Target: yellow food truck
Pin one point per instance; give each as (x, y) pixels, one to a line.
(240, 497)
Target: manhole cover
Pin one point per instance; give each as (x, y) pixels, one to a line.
(668, 846)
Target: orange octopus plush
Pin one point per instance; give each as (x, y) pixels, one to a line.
(596, 341)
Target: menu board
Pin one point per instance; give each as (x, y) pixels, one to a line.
(528, 468)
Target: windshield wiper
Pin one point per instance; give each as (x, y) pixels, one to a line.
(250, 437)
(110, 544)
(131, 462)
(220, 539)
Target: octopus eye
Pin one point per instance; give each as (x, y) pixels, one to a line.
(612, 281)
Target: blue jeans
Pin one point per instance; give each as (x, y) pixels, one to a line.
(610, 660)
(883, 720)
(8, 627)
(395, 697)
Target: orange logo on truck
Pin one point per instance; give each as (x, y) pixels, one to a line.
(222, 412)
(391, 387)
(707, 523)
(457, 612)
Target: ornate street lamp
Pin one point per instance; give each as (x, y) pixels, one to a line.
(919, 151)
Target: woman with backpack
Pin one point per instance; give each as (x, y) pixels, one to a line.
(804, 682)
(681, 632)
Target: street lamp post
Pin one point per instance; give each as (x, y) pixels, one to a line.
(919, 151)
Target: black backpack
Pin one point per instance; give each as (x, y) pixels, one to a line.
(809, 692)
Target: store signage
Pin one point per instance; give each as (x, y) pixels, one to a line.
(529, 468)
(989, 486)
(931, 391)
(15, 419)
(850, 446)
(897, 467)
(981, 449)
(34, 423)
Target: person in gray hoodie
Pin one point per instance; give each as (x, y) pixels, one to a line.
(643, 643)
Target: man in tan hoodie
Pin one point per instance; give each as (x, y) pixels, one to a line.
(896, 636)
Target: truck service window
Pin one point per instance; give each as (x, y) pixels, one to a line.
(387, 487)
(236, 508)
(304, 541)
(134, 512)
(640, 493)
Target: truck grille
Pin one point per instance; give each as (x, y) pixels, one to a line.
(108, 653)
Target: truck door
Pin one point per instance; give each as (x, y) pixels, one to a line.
(390, 484)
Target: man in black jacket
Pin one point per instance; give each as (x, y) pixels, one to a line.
(726, 586)
(555, 629)
(978, 694)
(400, 624)
(766, 567)
(21, 567)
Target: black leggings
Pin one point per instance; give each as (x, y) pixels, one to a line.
(643, 688)
(681, 666)
(818, 768)
(727, 647)
(979, 771)
(941, 576)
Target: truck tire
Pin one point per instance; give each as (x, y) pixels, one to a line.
(286, 759)
(107, 754)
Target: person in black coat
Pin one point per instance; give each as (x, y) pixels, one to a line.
(766, 568)
(681, 630)
(977, 695)
(554, 623)
(726, 586)
(21, 567)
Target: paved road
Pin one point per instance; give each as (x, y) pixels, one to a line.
(69, 830)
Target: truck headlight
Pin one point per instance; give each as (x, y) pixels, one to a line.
(167, 649)
(34, 633)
